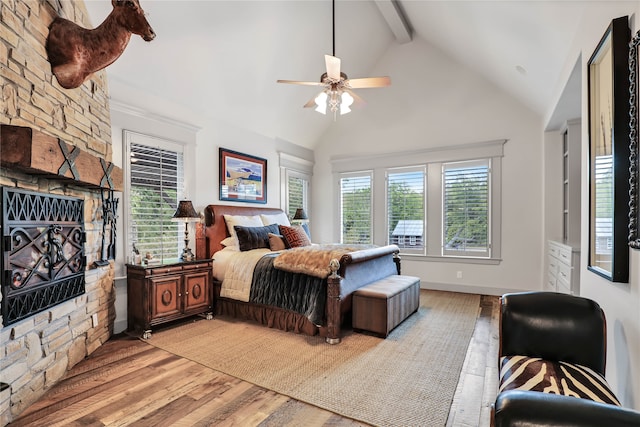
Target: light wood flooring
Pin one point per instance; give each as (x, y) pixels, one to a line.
(127, 382)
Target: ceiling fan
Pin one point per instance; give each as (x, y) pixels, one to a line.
(337, 94)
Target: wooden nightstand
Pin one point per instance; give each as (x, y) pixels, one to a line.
(163, 293)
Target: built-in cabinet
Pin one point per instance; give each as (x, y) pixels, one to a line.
(161, 294)
(563, 251)
(571, 171)
(564, 268)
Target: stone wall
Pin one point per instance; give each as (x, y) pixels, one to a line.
(37, 352)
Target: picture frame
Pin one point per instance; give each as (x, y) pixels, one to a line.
(609, 152)
(243, 178)
(634, 170)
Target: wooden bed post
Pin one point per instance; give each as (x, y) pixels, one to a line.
(333, 303)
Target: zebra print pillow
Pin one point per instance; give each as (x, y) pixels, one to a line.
(535, 374)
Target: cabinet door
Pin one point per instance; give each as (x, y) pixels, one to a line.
(197, 291)
(165, 296)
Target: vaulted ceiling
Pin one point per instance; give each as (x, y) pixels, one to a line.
(221, 59)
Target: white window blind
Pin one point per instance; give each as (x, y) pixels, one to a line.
(604, 211)
(297, 191)
(355, 208)
(155, 186)
(466, 202)
(406, 209)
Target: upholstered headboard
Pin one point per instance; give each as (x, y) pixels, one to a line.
(216, 228)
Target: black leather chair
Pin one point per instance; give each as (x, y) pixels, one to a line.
(563, 331)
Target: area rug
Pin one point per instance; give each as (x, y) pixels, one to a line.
(407, 379)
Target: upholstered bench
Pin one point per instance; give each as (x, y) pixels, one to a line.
(382, 305)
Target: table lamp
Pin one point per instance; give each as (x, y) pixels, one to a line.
(186, 213)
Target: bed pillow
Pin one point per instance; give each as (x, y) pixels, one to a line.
(254, 237)
(243, 220)
(276, 242)
(295, 236)
(279, 218)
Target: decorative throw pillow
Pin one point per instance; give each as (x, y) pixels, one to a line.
(254, 237)
(295, 236)
(279, 218)
(276, 242)
(243, 220)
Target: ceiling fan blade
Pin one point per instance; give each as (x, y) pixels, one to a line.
(368, 82)
(295, 82)
(333, 67)
(311, 103)
(357, 100)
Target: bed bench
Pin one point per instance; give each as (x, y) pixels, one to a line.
(382, 305)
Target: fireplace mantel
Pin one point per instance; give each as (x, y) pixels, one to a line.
(35, 152)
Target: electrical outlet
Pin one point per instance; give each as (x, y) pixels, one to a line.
(94, 319)
(459, 274)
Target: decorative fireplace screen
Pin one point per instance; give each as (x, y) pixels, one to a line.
(42, 250)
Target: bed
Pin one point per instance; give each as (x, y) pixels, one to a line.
(351, 271)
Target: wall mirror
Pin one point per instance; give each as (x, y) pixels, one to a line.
(608, 74)
(634, 216)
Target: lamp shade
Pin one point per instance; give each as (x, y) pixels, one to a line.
(185, 212)
(300, 214)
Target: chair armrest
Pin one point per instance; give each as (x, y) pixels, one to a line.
(535, 409)
(555, 327)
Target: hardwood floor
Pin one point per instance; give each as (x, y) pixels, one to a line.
(127, 382)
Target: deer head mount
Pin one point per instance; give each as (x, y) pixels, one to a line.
(75, 52)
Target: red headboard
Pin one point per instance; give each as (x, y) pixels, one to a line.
(216, 228)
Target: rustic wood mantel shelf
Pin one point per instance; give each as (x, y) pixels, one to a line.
(35, 152)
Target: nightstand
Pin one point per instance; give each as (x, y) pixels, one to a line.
(163, 293)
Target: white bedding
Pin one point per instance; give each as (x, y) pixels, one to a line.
(239, 273)
(221, 260)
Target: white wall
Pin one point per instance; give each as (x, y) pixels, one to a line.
(433, 103)
(621, 302)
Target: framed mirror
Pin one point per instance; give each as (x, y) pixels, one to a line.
(634, 96)
(609, 141)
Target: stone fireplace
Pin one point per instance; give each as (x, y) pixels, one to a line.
(37, 351)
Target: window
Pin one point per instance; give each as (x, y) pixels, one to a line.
(297, 193)
(356, 208)
(438, 203)
(406, 208)
(155, 185)
(295, 176)
(466, 208)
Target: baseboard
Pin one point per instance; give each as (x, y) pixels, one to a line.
(468, 289)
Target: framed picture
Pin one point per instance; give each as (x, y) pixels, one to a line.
(634, 167)
(608, 73)
(243, 178)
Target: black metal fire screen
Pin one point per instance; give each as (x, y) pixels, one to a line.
(42, 247)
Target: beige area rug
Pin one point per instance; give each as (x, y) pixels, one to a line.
(407, 379)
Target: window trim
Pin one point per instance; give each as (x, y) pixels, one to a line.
(468, 254)
(419, 168)
(128, 138)
(293, 166)
(361, 173)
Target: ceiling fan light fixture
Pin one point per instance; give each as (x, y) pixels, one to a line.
(346, 102)
(321, 103)
(336, 94)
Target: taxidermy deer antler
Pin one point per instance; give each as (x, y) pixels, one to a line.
(75, 52)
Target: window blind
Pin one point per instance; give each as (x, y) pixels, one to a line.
(156, 186)
(406, 209)
(466, 208)
(296, 194)
(355, 208)
(604, 209)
